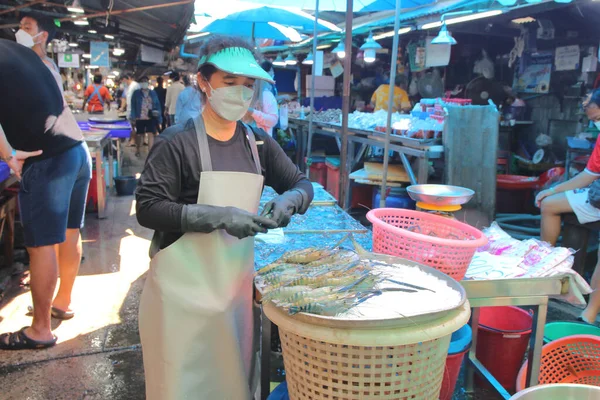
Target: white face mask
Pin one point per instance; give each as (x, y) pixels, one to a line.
(25, 39)
(231, 102)
(144, 85)
(597, 123)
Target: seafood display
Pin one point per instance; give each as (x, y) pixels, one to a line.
(350, 283)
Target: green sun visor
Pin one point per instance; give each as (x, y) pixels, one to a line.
(237, 61)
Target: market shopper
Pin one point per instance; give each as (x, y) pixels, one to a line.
(264, 112)
(35, 32)
(572, 197)
(189, 103)
(96, 97)
(146, 111)
(132, 87)
(54, 166)
(200, 192)
(380, 98)
(173, 93)
(161, 92)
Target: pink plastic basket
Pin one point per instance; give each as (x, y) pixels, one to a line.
(442, 243)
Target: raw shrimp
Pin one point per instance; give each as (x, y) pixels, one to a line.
(285, 293)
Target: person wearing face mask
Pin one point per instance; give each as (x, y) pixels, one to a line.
(54, 167)
(189, 104)
(264, 112)
(146, 111)
(131, 87)
(161, 92)
(35, 32)
(200, 191)
(173, 93)
(572, 197)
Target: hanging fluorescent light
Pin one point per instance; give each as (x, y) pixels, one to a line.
(73, 43)
(81, 22)
(384, 35)
(91, 67)
(370, 48)
(457, 20)
(309, 59)
(279, 61)
(444, 37)
(93, 31)
(108, 36)
(86, 55)
(340, 49)
(75, 7)
(291, 59)
(116, 73)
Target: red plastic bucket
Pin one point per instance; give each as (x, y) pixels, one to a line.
(502, 340)
(451, 372)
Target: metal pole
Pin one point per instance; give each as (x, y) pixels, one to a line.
(344, 158)
(388, 125)
(312, 90)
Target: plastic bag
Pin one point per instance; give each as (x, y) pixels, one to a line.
(485, 66)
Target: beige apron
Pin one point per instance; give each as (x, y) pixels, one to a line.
(196, 322)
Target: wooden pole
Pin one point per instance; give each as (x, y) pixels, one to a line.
(312, 91)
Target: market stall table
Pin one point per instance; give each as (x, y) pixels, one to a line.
(117, 130)
(97, 141)
(423, 150)
(531, 292)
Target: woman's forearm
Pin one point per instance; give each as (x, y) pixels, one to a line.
(579, 181)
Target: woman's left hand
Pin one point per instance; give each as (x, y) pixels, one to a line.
(16, 162)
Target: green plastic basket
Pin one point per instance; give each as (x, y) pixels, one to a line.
(560, 329)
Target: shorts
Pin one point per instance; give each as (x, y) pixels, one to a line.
(53, 196)
(585, 212)
(143, 126)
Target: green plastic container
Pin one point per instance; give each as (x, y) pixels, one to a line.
(560, 329)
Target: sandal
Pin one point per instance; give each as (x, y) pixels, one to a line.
(20, 341)
(56, 313)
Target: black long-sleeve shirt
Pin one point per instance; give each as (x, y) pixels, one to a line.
(171, 176)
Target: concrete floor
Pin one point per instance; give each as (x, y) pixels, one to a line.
(98, 355)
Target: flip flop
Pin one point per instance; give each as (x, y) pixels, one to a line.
(56, 313)
(20, 341)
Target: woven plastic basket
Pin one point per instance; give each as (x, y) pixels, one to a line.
(442, 243)
(559, 392)
(364, 364)
(571, 359)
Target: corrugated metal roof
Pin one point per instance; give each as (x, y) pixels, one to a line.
(440, 7)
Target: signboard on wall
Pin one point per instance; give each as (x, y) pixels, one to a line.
(535, 77)
(68, 60)
(566, 58)
(100, 54)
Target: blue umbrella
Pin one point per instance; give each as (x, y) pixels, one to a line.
(267, 23)
(324, 5)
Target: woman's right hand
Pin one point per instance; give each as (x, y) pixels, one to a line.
(542, 195)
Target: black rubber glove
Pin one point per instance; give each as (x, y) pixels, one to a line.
(235, 221)
(283, 207)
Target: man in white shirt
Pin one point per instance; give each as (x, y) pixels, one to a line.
(35, 31)
(173, 92)
(132, 86)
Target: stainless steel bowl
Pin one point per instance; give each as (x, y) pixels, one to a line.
(440, 195)
(559, 392)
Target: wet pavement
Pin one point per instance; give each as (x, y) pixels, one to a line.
(98, 355)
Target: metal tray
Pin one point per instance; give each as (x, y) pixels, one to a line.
(406, 319)
(440, 195)
(105, 120)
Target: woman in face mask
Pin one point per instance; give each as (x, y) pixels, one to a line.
(200, 192)
(572, 196)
